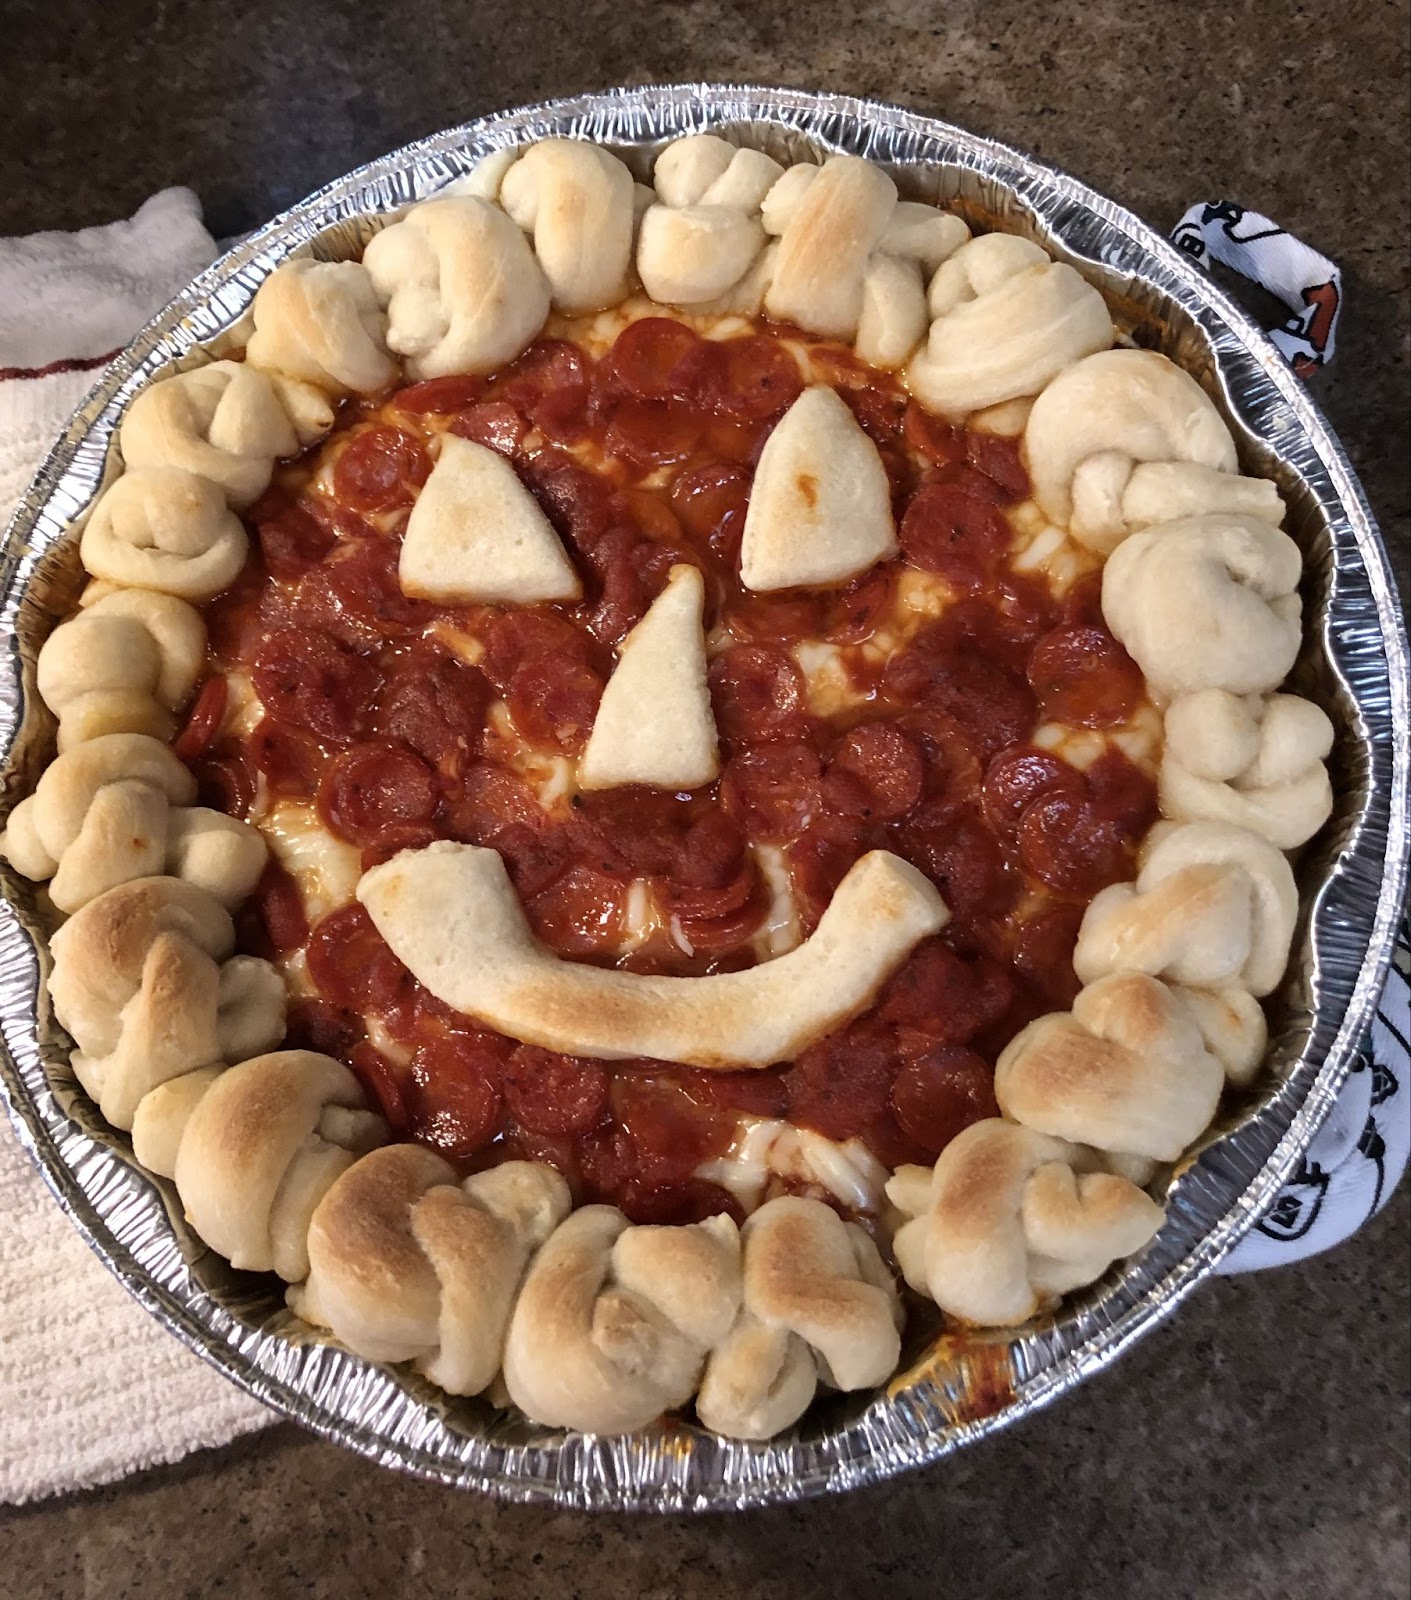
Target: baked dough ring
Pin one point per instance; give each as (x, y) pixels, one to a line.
(1127, 1071)
(163, 529)
(115, 808)
(818, 1301)
(613, 1323)
(462, 288)
(1258, 763)
(407, 1264)
(579, 204)
(450, 913)
(320, 322)
(125, 664)
(1010, 1219)
(261, 1148)
(1124, 439)
(227, 422)
(1206, 603)
(1006, 321)
(1213, 904)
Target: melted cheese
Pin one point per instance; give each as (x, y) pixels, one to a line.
(325, 867)
(825, 673)
(781, 930)
(765, 1149)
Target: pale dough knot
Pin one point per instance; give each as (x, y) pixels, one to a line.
(117, 808)
(406, 1263)
(1010, 1219)
(1128, 1071)
(1125, 439)
(228, 422)
(1206, 603)
(165, 529)
(698, 241)
(255, 1148)
(320, 323)
(614, 1322)
(579, 205)
(144, 981)
(1256, 762)
(462, 288)
(1212, 904)
(1006, 320)
(125, 664)
(819, 1303)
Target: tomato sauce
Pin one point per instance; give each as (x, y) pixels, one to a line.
(404, 722)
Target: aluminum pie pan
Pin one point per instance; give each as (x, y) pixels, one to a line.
(1352, 878)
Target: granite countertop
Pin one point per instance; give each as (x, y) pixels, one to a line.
(1258, 1443)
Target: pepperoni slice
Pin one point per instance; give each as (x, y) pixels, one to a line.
(291, 538)
(939, 1095)
(711, 502)
(965, 863)
(670, 1133)
(518, 639)
(840, 1086)
(320, 1025)
(291, 761)
(656, 358)
(202, 721)
(940, 443)
(859, 610)
(718, 919)
(571, 497)
(493, 423)
(999, 459)
(758, 694)
(712, 853)
(435, 703)
(363, 575)
(772, 791)
(454, 1101)
(381, 469)
(374, 787)
(943, 996)
(352, 965)
(308, 681)
(819, 860)
(1071, 847)
(1084, 678)
(440, 395)
(993, 705)
(226, 782)
(770, 618)
(490, 802)
(316, 604)
(673, 1205)
(1021, 774)
(1122, 793)
(381, 1080)
(1082, 605)
(758, 1094)
(579, 913)
(756, 378)
(549, 384)
(949, 531)
(649, 434)
(554, 703)
(953, 772)
(280, 907)
(1043, 953)
(876, 771)
(555, 1094)
(880, 412)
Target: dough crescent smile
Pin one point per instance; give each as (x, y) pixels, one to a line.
(451, 914)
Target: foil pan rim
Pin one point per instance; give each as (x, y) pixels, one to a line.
(129, 1221)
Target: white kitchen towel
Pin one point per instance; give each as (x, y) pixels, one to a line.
(91, 1387)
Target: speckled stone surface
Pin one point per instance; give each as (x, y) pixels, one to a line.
(1258, 1444)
